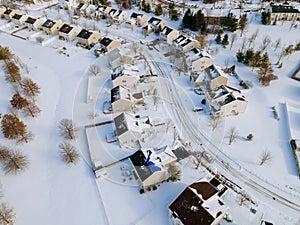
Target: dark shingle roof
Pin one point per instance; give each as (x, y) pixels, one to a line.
(142, 168)
(7, 12)
(48, 24)
(85, 34)
(105, 41)
(65, 28)
(17, 16)
(166, 30)
(284, 9)
(115, 94)
(30, 20)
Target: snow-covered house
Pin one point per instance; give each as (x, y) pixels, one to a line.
(154, 25)
(88, 39)
(34, 24)
(19, 19)
(151, 166)
(185, 44)
(197, 60)
(226, 101)
(137, 19)
(102, 11)
(90, 10)
(125, 75)
(169, 34)
(212, 76)
(120, 56)
(68, 33)
(2, 10)
(108, 44)
(67, 4)
(117, 16)
(120, 99)
(9, 13)
(80, 9)
(129, 129)
(51, 27)
(283, 11)
(199, 203)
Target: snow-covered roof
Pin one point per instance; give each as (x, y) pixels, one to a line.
(196, 54)
(154, 21)
(166, 30)
(119, 92)
(214, 71)
(125, 69)
(182, 40)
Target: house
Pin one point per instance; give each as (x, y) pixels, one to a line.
(34, 24)
(129, 129)
(199, 203)
(67, 4)
(154, 25)
(108, 44)
(68, 33)
(283, 11)
(120, 99)
(185, 44)
(80, 9)
(137, 19)
(126, 76)
(226, 101)
(117, 16)
(150, 167)
(51, 27)
(9, 13)
(197, 60)
(120, 56)
(87, 38)
(90, 10)
(215, 77)
(102, 11)
(19, 19)
(2, 10)
(169, 34)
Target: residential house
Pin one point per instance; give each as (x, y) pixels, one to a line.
(125, 75)
(120, 56)
(226, 101)
(199, 203)
(215, 77)
(120, 99)
(128, 129)
(68, 33)
(117, 16)
(67, 4)
(9, 13)
(90, 10)
(87, 38)
(108, 44)
(185, 44)
(80, 9)
(137, 19)
(51, 27)
(34, 24)
(197, 60)
(102, 11)
(19, 19)
(150, 167)
(283, 11)
(169, 34)
(154, 25)
(2, 10)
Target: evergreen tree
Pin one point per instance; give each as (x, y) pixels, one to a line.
(266, 73)
(198, 21)
(12, 127)
(248, 56)
(229, 22)
(218, 38)
(187, 19)
(225, 40)
(266, 18)
(5, 53)
(158, 10)
(240, 56)
(243, 23)
(255, 61)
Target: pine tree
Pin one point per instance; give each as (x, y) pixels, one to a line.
(229, 22)
(243, 23)
(248, 56)
(7, 214)
(158, 10)
(30, 88)
(18, 102)
(240, 56)
(218, 38)
(225, 40)
(187, 19)
(255, 61)
(266, 73)
(5, 53)
(266, 18)
(12, 127)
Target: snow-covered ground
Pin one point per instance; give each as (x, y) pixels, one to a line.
(51, 193)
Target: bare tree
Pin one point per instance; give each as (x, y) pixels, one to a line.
(243, 197)
(214, 122)
(32, 110)
(94, 70)
(277, 44)
(265, 43)
(12, 127)
(244, 43)
(39, 40)
(265, 157)
(27, 137)
(30, 88)
(15, 163)
(232, 134)
(68, 153)
(93, 115)
(4, 153)
(12, 73)
(232, 39)
(174, 173)
(7, 214)
(67, 129)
